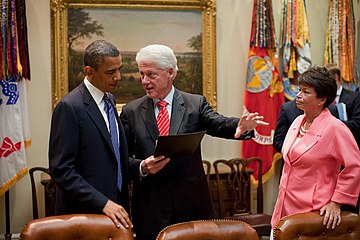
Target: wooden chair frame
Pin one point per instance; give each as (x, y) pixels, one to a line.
(50, 190)
(234, 193)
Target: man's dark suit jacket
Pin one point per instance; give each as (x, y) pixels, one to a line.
(81, 157)
(179, 191)
(352, 101)
(288, 113)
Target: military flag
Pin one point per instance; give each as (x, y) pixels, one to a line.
(294, 44)
(14, 69)
(264, 88)
(340, 40)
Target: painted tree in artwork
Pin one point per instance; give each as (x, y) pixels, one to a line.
(196, 43)
(193, 73)
(80, 27)
(189, 77)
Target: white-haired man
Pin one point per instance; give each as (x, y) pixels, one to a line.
(171, 191)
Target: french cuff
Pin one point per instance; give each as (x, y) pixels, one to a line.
(141, 173)
(248, 135)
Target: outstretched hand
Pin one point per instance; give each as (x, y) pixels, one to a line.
(248, 122)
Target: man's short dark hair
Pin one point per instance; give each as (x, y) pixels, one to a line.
(97, 51)
(334, 70)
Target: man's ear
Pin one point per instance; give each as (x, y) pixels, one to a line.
(171, 73)
(88, 70)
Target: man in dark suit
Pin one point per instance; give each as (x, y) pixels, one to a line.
(351, 100)
(89, 171)
(168, 191)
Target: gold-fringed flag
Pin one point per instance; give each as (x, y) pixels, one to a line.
(264, 89)
(294, 44)
(340, 40)
(14, 68)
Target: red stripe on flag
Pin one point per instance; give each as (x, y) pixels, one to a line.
(265, 98)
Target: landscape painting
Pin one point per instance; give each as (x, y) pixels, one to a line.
(188, 27)
(131, 30)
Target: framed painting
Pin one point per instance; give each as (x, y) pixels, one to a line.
(187, 26)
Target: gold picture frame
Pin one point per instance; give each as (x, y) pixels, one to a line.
(59, 37)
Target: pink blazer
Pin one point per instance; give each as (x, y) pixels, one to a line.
(311, 175)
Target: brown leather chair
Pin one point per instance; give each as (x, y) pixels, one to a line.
(75, 226)
(310, 226)
(209, 230)
(234, 193)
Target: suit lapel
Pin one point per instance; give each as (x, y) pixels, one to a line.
(291, 137)
(343, 96)
(306, 143)
(148, 117)
(310, 138)
(94, 113)
(177, 113)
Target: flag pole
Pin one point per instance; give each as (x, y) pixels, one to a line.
(7, 216)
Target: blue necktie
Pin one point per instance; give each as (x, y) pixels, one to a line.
(109, 109)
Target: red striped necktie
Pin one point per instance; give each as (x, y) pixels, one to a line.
(163, 120)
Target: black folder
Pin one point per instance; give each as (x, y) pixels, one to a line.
(173, 146)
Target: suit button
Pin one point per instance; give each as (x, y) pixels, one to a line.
(115, 168)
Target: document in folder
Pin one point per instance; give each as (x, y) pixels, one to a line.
(178, 145)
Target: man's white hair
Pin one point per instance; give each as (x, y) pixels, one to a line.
(160, 55)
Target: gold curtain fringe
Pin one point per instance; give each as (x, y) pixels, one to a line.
(11, 182)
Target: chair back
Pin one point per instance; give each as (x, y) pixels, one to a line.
(75, 226)
(209, 230)
(310, 226)
(207, 169)
(234, 186)
(234, 193)
(50, 192)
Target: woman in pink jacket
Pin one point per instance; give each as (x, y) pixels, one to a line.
(315, 147)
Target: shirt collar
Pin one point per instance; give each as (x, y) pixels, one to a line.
(168, 98)
(338, 92)
(96, 93)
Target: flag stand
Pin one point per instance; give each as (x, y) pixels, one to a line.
(7, 216)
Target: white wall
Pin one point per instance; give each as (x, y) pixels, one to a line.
(233, 32)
